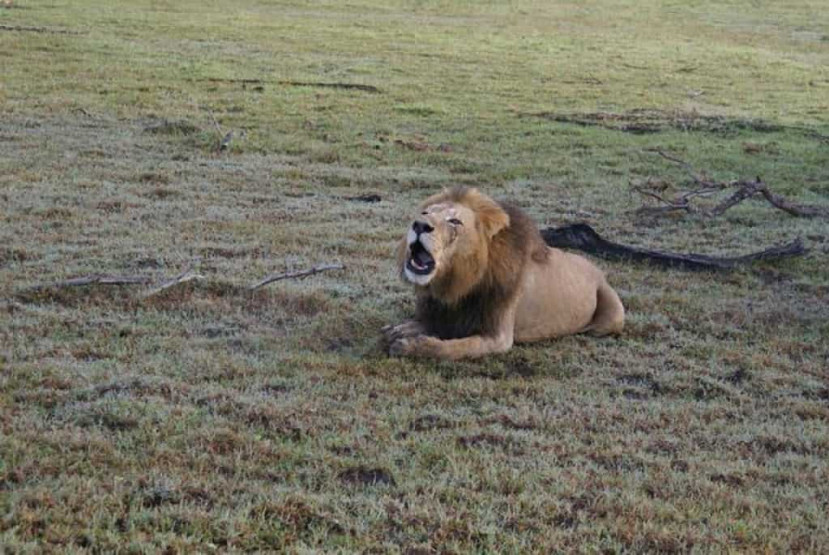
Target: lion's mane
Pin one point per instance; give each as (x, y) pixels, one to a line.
(469, 299)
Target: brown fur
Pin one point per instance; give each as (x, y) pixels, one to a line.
(474, 301)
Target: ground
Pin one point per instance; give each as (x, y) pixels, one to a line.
(207, 415)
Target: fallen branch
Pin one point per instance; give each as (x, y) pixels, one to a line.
(697, 178)
(100, 279)
(744, 190)
(94, 279)
(679, 203)
(187, 275)
(802, 210)
(296, 275)
(584, 238)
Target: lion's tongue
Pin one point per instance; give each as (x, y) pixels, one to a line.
(421, 259)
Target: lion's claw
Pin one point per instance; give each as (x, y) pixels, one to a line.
(400, 331)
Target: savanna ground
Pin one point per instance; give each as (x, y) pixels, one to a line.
(209, 416)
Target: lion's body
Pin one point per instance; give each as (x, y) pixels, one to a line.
(497, 284)
(581, 299)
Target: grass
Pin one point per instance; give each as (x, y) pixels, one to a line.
(212, 417)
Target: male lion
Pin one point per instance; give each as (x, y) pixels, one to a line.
(484, 278)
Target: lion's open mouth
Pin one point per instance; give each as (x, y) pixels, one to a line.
(420, 261)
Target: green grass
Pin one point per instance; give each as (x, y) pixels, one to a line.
(209, 416)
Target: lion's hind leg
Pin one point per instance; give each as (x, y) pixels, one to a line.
(609, 318)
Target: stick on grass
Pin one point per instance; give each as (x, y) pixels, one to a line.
(744, 189)
(296, 275)
(93, 279)
(185, 276)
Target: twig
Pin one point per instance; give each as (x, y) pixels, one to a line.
(100, 279)
(224, 138)
(94, 279)
(745, 189)
(698, 179)
(215, 123)
(584, 238)
(680, 204)
(187, 275)
(295, 275)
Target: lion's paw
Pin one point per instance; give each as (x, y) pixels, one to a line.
(406, 329)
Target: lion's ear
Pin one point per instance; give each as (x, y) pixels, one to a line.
(491, 216)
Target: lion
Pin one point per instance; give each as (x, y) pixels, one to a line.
(484, 278)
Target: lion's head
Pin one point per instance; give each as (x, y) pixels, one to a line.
(447, 246)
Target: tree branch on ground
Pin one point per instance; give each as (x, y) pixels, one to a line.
(584, 238)
(101, 279)
(93, 279)
(744, 189)
(296, 275)
(185, 276)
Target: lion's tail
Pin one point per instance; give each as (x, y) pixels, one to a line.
(609, 317)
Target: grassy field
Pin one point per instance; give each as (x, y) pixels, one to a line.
(207, 416)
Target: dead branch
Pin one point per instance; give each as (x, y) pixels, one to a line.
(744, 190)
(584, 238)
(187, 275)
(101, 279)
(296, 275)
(680, 203)
(749, 189)
(93, 279)
(801, 210)
(215, 123)
(696, 177)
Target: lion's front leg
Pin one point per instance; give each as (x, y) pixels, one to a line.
(474, 346)
(452, 349)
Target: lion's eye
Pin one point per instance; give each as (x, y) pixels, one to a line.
(454, 221)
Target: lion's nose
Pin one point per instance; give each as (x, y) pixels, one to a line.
(422, 227)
